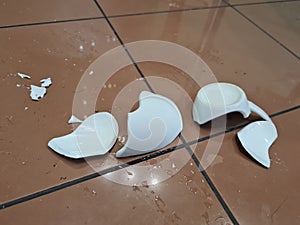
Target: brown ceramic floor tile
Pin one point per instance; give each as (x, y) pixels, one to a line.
(281, 20)
(183, 199)
(235, 50)
(15, 12)
(254, 194)
(119, 7)
(28, 165)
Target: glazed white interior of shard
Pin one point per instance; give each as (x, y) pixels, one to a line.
(154, 125)
(257, 138)
(96, 135)
(218, 99)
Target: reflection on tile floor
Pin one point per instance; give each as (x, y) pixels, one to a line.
(116, 7)
(14, 12)
(252, 45)
(281, 20)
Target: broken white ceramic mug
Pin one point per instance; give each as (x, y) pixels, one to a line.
(96, 135)
(154, 125)
(217, 99)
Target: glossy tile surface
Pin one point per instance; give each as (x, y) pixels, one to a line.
(15, 12)
(117, 7)
(95, 202)
(255, 194)
(192, 43)
(281, 20)
(26, 126)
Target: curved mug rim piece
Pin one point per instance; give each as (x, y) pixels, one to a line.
(157, 112)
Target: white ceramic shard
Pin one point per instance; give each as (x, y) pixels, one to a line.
(22, 75)
(36, 92)
(96, 135)
(154, 125)
(218, 99)
(74, 119)
(257, 138)
(46, 82)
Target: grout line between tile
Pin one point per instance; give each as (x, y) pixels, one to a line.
(50, 22)
(262, 30)
(144, 13)
(88, 177)
(285, 111)
(203, 172)
(259, 3)
(212, 187)
(104, 17)
(167, 11)
(123, 45)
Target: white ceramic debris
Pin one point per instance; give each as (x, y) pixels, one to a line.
(154, 125)
(257, 138)
(96, 135)
(218, 99)
(22, 75)
(46, 82)
(36, 92)
(74, 119)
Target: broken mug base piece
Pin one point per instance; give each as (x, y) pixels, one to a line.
(154, 125)
(95, 136)
(217, 99)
